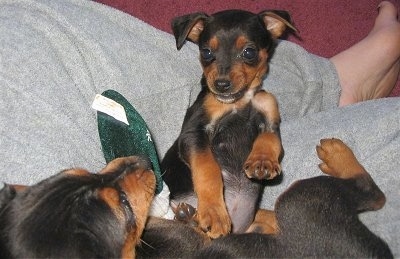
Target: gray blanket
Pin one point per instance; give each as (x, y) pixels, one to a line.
(56, 55)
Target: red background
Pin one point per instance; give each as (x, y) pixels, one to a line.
(325, 27)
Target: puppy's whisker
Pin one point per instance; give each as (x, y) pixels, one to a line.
(147, 244)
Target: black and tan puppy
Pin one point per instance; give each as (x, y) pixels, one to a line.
(315, 218)
(230, 136)
(77, 214)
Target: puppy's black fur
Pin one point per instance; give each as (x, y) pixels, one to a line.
(230, 136)
(316, 217)
(76, 214)
(170, 239)
(231, 141)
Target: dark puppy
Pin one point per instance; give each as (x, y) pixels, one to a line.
(164, 238)
(316, 217)
(230, 136)
(76, 214)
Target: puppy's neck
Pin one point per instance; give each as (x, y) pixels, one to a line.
(215, 109)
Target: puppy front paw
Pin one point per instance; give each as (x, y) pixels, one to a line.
(337, 159)
(213, 219)
(263, 160)
(261, 166)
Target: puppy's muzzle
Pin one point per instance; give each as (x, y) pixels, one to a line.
(222, 85)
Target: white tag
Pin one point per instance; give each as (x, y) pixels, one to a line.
(110, 107)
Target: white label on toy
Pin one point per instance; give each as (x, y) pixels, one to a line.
(110, 107)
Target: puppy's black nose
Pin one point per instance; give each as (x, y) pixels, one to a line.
(222, 85)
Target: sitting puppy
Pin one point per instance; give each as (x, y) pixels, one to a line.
(230, 137)
(77, 214)
(315, 217)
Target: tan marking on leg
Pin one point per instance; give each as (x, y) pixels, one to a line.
(212, 214)
(263, 160)
(265, 222)
(267, 104)
(338, 160)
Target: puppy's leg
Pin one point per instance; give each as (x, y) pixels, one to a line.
(264, 222)
(212, 215)
(318, 217)
(339, 161)
(263, 160)
(184, 212)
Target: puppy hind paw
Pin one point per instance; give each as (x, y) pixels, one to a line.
(185, 213)
(338, 159)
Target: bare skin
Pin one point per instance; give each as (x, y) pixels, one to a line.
(370, 68)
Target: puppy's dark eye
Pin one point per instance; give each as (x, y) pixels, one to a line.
(249, 53)
(206, 54)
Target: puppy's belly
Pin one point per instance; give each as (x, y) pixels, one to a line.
(241, 198)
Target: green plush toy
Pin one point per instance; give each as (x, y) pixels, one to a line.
(123, 132)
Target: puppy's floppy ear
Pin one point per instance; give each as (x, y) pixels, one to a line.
(276, 22)
(188, 27)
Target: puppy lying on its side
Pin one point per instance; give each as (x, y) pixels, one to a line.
(315, 217)
(77, 214)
